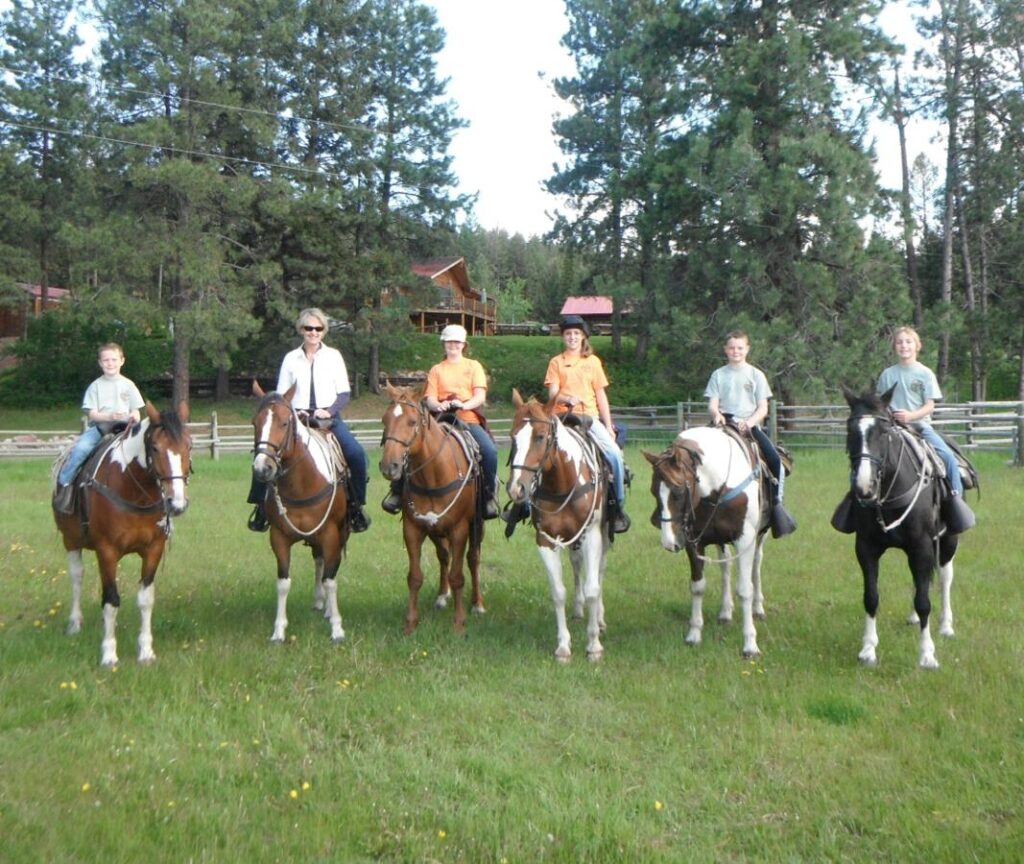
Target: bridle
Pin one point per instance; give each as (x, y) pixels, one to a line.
(276, 452)
(150, 449)
(417, 432)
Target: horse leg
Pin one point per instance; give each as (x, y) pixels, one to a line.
(947, 550)
(698, 584)
(591, 550)
(147, 597)
(329, 564)
(474, 572)
(745, 551)
(725, 612)
(868, 560)
(456, 575)
(319, 592)
(414, 578)
(75, 570)
(553, 562)
(601, 625)
(283, 552)
(756, 577)
(922, 565)
(442, 547)
(579, 600)
(107, 558)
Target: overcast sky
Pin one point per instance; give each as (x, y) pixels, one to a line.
(501, 57)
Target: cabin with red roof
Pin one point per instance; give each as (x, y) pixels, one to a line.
(596, 311)
(455, 301)
(27, 303)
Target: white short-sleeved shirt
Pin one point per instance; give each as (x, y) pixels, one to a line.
(915, 384)
(109, 395)
(330, 377)
(738, 388)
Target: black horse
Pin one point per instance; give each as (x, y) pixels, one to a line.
(897, 504)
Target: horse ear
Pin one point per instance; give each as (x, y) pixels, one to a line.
(152, 413)
(651, 457)
(290, 392)
(886, 397)
(849, 395)
(517, 400)
(183, 411)
(390, 388)
(549, 409)
(257, 391)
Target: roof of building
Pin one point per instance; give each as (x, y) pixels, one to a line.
(598, 305)
(431, 268)
(52, 292)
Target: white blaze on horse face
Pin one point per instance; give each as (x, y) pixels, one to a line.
(521, 443)
(864, 478)
(179, 496)
(260, 462)
(668, 531)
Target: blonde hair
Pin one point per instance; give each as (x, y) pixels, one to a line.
(109, 346)
(910, 331)
(312, 312)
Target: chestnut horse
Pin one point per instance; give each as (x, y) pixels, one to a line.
(306, 501)
(130, 488)
(709, 492)
(560, 474)
(441, 495)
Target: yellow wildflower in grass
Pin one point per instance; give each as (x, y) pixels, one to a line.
(86, 787)
(658, 805)
(306, 787)
(442, 834)
(294, 794)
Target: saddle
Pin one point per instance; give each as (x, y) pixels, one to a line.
(926, 454)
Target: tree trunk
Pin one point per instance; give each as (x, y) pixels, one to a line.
(221, 387)
(905, 207)
(977, 373)
(373, 368)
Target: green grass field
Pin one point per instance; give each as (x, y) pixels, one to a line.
(484, 749)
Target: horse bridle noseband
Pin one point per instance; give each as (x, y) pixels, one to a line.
(881, 499)
(150, 449)
(275, 452)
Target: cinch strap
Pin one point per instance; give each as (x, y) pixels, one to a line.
(732, 493)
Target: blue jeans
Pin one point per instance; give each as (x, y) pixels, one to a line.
(603, 439)
(956, 482)
(488, 455)
(355, 455)
(771, 456)
(80, 451)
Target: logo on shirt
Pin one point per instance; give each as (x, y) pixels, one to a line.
(917, 388)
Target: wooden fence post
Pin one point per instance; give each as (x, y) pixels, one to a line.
(1018, 459)
(214, 440)
(773, 411)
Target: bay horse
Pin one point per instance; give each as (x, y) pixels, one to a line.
(709, 492)
(897, 496)
(129, 490)
(306, 501)
(560, 473)
(441, 499)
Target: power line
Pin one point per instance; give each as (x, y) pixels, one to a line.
(281, 118)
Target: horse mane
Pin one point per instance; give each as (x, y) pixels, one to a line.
(172, 424)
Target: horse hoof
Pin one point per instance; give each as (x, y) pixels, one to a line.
(148, 660)
(277, 640)
(913, 619)
(725, 619)
(947, 631)
(479, 610)
(693, 638)
(338, 640)
(73, 628)
(563, 655)
(595, 656)
(751, 654)
(868, 660)
(929, 663)
(441, 603)
(760, 616)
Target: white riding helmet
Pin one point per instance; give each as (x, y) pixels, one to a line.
(454, 333)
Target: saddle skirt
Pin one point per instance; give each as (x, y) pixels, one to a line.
(927, 454)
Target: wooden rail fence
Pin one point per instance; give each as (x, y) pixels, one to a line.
(997, 426)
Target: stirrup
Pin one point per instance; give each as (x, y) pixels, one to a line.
(392, 503)
(358, 520)
(491, 510)
(258, 519)
(620, 522)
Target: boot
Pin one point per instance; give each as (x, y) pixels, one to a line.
(491, 510)
(393, 503)
(63, 498)
(957, 515)
(258, 519)
(843, 518)
(619, 518)
(781, 522)
(358, 519)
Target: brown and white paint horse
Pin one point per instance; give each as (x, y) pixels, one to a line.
(131, 488)
(709, 494)
(306, 501)
(560, 474)
(440, 500)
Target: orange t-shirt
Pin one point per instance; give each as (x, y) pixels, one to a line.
(457, 380)
(577, 376)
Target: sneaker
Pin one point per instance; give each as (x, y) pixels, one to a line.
(63, 498)
(781, 522)
(392, 504)
(957, 515)
(258, 519)
(358, 519)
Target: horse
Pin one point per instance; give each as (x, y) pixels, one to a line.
(130, 488)
(306, 501)
(709, 492)
(441, 498)
(559, 472)
(897, 505)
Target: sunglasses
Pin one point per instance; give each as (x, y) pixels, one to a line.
(310, 329)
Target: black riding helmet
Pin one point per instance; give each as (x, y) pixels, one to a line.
(574, 322)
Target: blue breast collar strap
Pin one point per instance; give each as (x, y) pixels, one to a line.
(732, 493)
